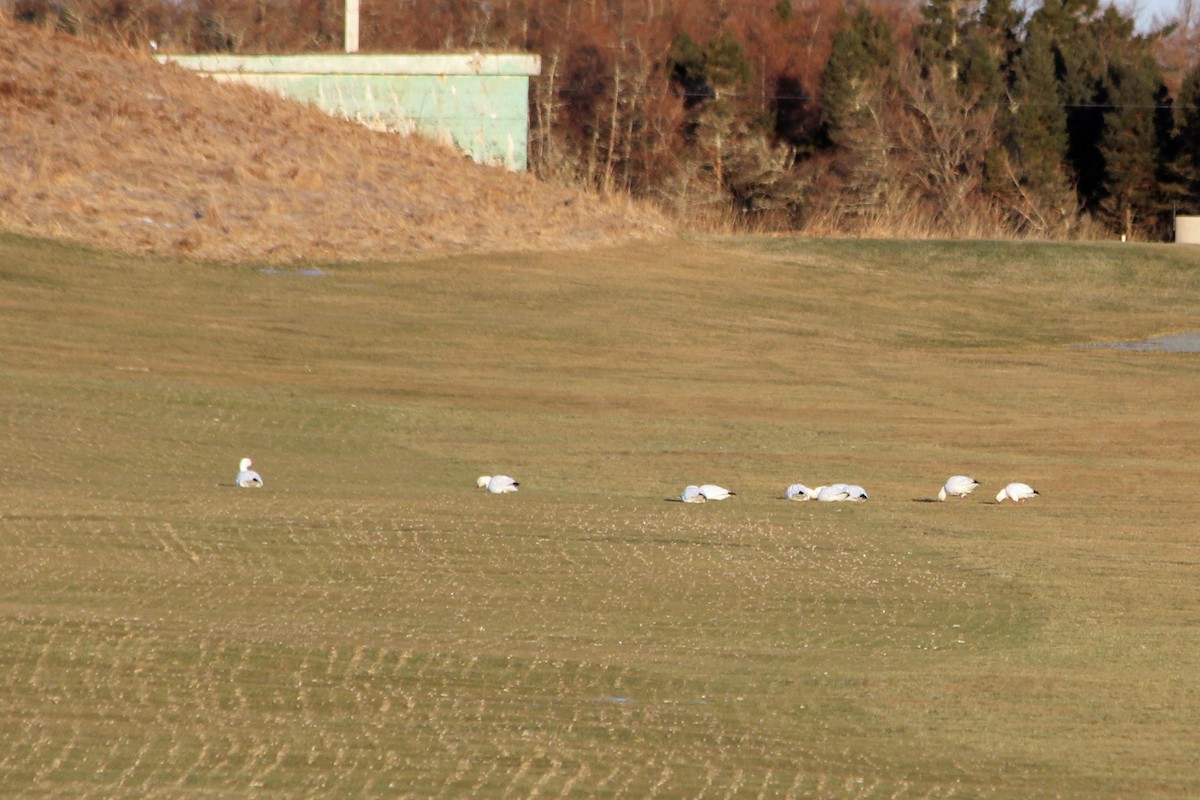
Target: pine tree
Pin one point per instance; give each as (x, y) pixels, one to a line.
(1068, 26)
(938, 37)
(1086, 41)
(1002, 20)
(730, 157)
(990, 50)
(1040, 137)
(986, 74)
(862, 54)
(726, 65)
(1188, 140)
(728, 72)
(1129, 144)
(687, 69)
(981, 76)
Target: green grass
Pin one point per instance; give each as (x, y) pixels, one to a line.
(370, 625)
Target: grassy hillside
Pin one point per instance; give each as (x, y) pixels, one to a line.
(104, 146)
(370, 625)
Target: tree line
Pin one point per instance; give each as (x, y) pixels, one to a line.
(957, 118)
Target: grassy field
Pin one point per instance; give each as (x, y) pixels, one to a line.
(370, 625)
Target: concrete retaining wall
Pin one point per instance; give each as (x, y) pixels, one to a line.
(477, 102)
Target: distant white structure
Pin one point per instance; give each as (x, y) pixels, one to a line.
(351, 26)
(1187, 230)
(477, 102)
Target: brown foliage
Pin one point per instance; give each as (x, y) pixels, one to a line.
(607, 116)
(108, 147)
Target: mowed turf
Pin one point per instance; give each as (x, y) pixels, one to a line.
(368, 624)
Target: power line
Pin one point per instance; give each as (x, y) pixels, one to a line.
(997, 103)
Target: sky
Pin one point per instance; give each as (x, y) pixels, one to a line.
(1149, 9)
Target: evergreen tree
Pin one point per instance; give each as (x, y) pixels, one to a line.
(1068, 25)
(728, 72)
(987, 73)
(715, 79)
(862, 53)
(1085, 41)
(1129, 143)
(1040, 136)
(989, 56)
(1188, 140)
(979, 73)
(687, 69)
(726, 65)
(1002, 20)
(938, 37)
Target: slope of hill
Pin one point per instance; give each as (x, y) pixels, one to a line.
(109, 148)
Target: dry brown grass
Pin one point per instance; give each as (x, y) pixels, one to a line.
(369, 625)
(109, 148)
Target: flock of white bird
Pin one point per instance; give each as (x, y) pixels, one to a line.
(834, 493)
(956, 486)
(961, 486)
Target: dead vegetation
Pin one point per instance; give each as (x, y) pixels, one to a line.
(109, 148)
(369, 625)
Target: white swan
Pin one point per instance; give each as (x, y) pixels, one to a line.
(1016, 492)
(713, 492)
(247, 477)
(832, 494)
(958, 486)
(496, 484)
(798, 491)
(692, 494)
(853, 492)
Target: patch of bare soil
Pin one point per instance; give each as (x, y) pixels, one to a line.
(109, 148)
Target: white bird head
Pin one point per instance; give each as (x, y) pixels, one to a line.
(244, 465)
(482, 481)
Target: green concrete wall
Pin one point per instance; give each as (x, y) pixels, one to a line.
(479, 103)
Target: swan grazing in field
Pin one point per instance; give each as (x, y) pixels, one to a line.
(713, 492)
(692, 494)
(832, 494)
(247, 477)
(854, 493)
(496, 484)
(798, 491)
(1016, 492)
(958, 486)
